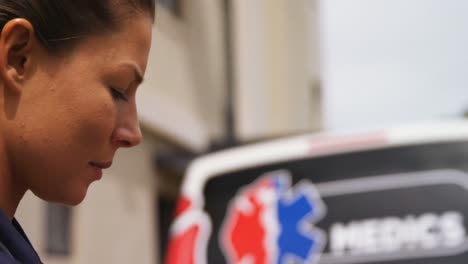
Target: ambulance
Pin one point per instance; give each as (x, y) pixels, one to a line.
(392, 196)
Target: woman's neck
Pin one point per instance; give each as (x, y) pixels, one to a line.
(10, 194)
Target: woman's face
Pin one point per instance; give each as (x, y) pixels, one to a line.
(76, 110)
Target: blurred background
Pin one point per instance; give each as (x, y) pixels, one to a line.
(226, 72)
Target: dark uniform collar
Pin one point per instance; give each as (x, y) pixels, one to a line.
(15, 240)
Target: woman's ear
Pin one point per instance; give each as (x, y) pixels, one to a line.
(16, 43)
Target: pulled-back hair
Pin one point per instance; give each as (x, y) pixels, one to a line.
(60, 23)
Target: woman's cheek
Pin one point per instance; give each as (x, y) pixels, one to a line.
(98, 123)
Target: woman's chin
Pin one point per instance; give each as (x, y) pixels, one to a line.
(74, 201)
(71, 198)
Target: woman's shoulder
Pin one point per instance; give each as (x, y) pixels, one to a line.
(5, 259)
(5, 255)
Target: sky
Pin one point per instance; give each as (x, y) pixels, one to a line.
(388, 62)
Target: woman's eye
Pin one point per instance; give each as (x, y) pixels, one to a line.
(118, 95)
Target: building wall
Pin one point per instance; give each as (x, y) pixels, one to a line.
(276, 67)
(167, 99)
(207, 54)
(183, 96)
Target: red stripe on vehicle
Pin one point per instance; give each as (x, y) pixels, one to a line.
(182, 205)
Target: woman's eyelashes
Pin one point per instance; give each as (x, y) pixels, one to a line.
(117, 94)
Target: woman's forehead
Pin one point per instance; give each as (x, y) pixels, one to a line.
(128, 46)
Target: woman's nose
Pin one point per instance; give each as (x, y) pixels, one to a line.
(127, 137)
(127, 132)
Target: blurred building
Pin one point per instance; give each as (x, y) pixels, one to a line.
(220, 73)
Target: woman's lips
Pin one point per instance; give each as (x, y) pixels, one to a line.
(101, 165)
(98, 167)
